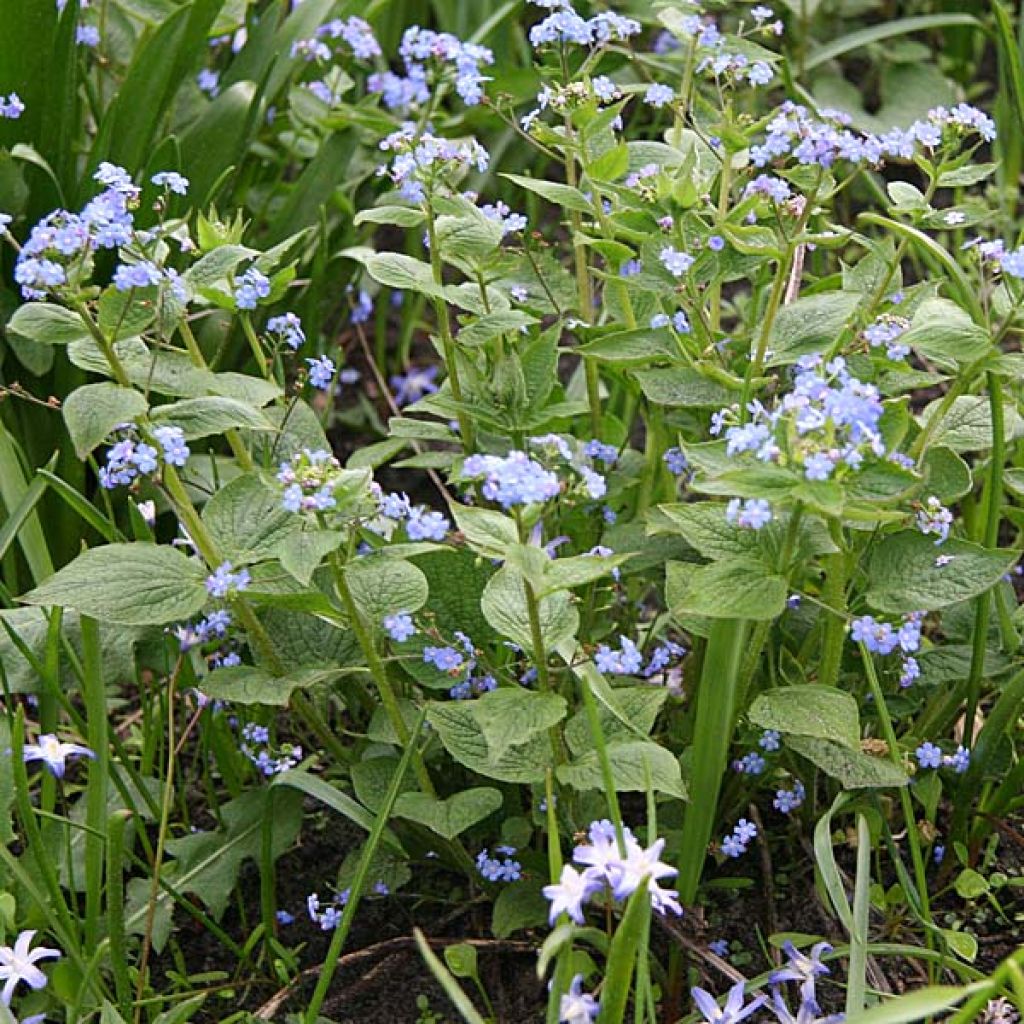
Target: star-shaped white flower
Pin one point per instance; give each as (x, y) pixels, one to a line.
(53, 753)
(19, 964)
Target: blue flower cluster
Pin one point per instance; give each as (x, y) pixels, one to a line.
(882, 638)
(424, 163)
(432, 58)
(749, 514)
(829, 420)
(309, 479)
(564, 25)
(421, 523)
(130, 458)
(256, 746)
(287, 328)
(929, 755)
(224, 581)
(515, 479)
(934, 518)
(11, 106)
(886, 330)
(788, 800)
(735, 844)
(505, 869)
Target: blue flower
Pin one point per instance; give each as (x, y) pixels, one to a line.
(444, 659)
(568, 895)
(321, 372)
(136, 275)
(172, 181)
(87, 35)
(658, 95)
(770, 740)
(627, 661)
(223, 581)
(577, 1006)
(54, 753)
(288, 327)
(426, 524)
(675, 262)
(928, 755)
(804, 968)
(11, 106)
(676, 462)
(751, 514)
(733, 1011)
(172, 440)
(399, 626)
(413, 385)
(515, 479)
(252, 287)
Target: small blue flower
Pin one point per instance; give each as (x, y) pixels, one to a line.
(252, 287)
(674, 261)
(399, 626)
(321, 372)
(658, 95)
(928, 755)
(172, 181)
(288, 327)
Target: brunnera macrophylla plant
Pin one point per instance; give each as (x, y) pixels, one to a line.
(693, 500)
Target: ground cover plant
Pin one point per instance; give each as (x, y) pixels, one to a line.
(512, 512)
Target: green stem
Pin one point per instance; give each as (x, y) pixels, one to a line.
(94, 697)
(115, 908)
(906, 805)
(444, 327)
(990, 537)
(362, 877)
(378, 673)
(254, 345)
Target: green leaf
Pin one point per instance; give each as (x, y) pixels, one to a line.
(372, 778)
(518, 906)
(471, 237)
(247, 521)
(854, 769)
(810, 324)
(47, 324)
(942, 332)
(638, 705)
(396, 270)
(487, 532)
(636, 765)
(970, 884)
(947, 476)
(566, 196)
(504, 605)
(213, 414)
(903, 576)
(702, 524)
(331, 796)
(735, 588)
(964, 944)
(246, 684)
(637, 346)
(626, 945)
(922, 1004)
(302, 551)
(967, 427)
(385, 586)
(208, 863)
(125, 314)
(132, 584)
(566, 573)
(92, 411)
(399, 216)
(461, 734)
(493, 325)
(449, 818)
(809, 710)
(683, 386)
(159, 67)
(508, 716)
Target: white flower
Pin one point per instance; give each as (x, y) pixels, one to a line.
(53, 753)
(19, 964)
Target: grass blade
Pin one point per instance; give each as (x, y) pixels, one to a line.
(447, 981)
(716, 715)
(857, 971)
(851, 41)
